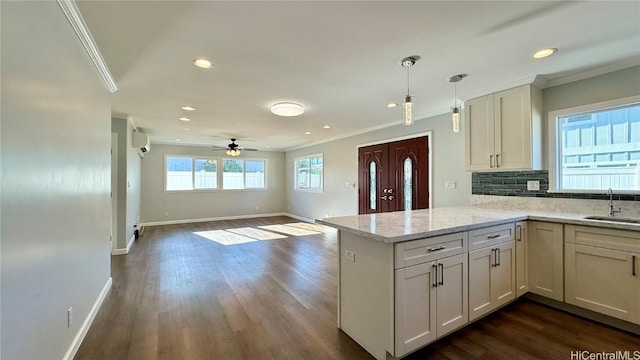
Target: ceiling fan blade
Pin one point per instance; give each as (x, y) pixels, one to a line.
(247, 149)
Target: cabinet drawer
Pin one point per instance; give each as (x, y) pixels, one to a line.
(491, 236)
(421, 251)
(615, 239)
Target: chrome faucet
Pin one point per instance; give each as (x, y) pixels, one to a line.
(612, 210)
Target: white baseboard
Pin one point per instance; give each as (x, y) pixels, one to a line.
(82, 332)
(312, 221)
(124, 251)
(235, 217)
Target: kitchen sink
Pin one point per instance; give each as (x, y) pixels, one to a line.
(613, 219)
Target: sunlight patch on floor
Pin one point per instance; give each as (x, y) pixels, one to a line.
(295, 229)
(312, 227)
(257, 233)
(224, 237)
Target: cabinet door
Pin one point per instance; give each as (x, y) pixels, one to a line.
(522, 250)
(546, 277)
(479, 133)
(503, 275)
(603, 280)
(513, 128)
(480, 265)
(415, 317)
(451, 293)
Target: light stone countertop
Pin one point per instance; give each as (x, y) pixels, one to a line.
(401, 226)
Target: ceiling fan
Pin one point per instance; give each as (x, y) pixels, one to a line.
(233, 149)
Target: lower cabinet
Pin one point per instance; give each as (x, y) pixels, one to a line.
(546, 259)
(602, 271)
(430, 301)
(492, 275)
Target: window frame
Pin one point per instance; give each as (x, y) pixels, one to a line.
(219, 173)
(244, 174)
(555, 145)
(295, 173)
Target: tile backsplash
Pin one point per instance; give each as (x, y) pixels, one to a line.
(514, 183)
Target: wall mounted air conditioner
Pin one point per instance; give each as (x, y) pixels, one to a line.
(141, 142)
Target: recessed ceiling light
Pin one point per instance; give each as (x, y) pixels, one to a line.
(202, 63)
(327, 127)
(287, 109)
(184, 119)
(268, 146)
(178, 139)
(188, 108)
(392, 105)
(307, 133)
(543, 53)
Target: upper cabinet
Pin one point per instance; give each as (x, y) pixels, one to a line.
(503, 130)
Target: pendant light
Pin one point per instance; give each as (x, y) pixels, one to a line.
(455, 112)
(407, 114)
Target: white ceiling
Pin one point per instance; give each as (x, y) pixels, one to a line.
(341, 60)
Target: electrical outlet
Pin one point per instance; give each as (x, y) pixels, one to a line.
(450, 184)
(350, 255)
(69, 317)
(257, 208)
(533, 185)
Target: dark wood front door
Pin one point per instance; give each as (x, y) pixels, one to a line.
(393, 176)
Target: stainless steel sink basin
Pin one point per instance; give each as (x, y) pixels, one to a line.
(612, 219)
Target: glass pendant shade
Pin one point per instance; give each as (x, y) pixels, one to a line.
(455, 119)
(407, 114)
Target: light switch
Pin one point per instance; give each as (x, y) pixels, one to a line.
(450, 184)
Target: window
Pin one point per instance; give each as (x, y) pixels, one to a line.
(596, 147)
(308, 173)
(243, 174)
(187, 173)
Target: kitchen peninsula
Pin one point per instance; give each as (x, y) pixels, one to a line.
(409, 278)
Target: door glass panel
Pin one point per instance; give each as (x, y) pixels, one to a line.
(372, 185)
(408, 183)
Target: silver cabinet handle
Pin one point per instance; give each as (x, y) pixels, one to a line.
(491, 161)
(633, 265)
(434, 277)
(519, 232)
(437, 248)
(498, 256)
(493, 236)
(492, 258)
(497, 160)
(441, 274)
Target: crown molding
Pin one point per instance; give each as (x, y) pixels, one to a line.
(601, 70)
(71, 11)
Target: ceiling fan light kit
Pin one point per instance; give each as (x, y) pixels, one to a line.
(287, 109)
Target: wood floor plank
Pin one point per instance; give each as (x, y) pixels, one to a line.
(266, 288)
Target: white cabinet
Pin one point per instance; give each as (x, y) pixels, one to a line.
(546, 259)
(602, 271)
(492, 273)
(522, 252)
(503, 130)
(430, 297)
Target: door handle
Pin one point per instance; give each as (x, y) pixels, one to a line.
(492, 257)
(434, 277)
(383, 197)
(519, 232)
(491, 161)
(633, 265)
(497, 160)
(390, 197)
(498, 256)
(441, 274)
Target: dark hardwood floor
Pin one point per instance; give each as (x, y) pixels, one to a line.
(265, 288)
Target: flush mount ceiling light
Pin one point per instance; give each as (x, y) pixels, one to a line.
(187, 108)
(455, 111)
(407, 116)
(184, 119)
(287, 109)
(543, 53)
(327, 127)
(202, 63)
(391, 105)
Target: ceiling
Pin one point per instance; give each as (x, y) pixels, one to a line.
(340, 60)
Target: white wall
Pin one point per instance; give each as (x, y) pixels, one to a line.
(186, 205)
(129, 183)
(341, 165)
(55, 182)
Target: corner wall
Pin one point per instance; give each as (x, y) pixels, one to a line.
(55, 182)
(341, 165)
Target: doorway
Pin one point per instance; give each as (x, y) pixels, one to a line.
(394, 176)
